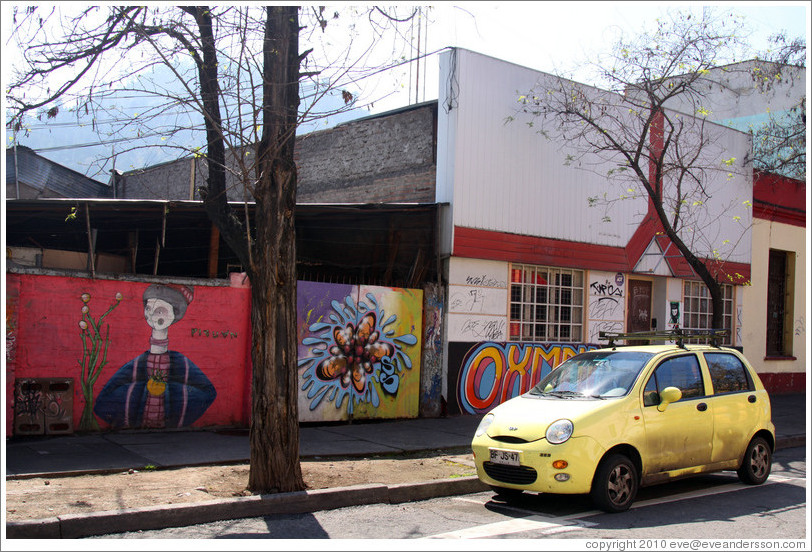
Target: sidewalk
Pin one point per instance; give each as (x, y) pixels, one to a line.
(99, 453)
(28, 456)
(112, 452)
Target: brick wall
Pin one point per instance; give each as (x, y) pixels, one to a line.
(390, 158)
(387, 158)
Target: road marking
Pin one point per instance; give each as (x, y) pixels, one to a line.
(722, 489)
(533, 523)
(572, 522)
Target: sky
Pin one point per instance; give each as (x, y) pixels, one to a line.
(547, 36)
(554, 35)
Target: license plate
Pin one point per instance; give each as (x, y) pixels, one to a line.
(508, 457)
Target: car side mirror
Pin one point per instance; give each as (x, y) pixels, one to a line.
(668, 396)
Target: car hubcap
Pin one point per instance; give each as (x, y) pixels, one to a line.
(620, 484)
(758, 460)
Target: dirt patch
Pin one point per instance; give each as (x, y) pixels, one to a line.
(38, 498)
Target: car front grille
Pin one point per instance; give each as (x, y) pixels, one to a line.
(515, 475)
(509, 439)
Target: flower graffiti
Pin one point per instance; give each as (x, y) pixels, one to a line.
(355, 352)
(355, 356)
(94, 356)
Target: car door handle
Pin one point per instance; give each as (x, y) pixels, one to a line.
(702, 407)
(751, 398)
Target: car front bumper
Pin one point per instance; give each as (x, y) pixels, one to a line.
(536, 471)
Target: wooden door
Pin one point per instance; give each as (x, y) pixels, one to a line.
(638, 306)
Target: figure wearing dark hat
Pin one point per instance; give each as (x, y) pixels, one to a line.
(159, 388)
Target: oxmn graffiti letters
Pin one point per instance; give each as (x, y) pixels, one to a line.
(492, 373)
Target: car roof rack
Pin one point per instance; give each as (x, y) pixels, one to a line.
(677, 334)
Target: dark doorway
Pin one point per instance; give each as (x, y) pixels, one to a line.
(638, 307)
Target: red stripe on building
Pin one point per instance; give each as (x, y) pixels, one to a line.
(474, 243)
(779, 199)
(501, 246)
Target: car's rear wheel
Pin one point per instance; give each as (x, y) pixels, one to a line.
(508, 495)
(615, 484)
(755, 468)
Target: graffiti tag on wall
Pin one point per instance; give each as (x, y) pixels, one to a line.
(606, 304)
(214, 334)
(431, 386)
(11, 330)
(354, 356)
(492, 373)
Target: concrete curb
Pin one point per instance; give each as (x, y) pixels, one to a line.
(790, 441)
(74, 526)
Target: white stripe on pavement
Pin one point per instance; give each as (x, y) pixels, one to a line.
(533, 523)
(573, 522)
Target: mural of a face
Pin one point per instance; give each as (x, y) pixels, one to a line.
(160, 388)
(159, 313)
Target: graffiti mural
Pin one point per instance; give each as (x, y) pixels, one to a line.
(491, 373)
(431, 386)
(94, 356)
(359, 353)
(165, 355)
(159, 388)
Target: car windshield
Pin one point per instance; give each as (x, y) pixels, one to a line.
(603, 374)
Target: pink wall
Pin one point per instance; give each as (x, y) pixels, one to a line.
(44, 324)
(199, 373)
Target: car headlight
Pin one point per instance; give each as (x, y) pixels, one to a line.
(484, 425)
(559, 431)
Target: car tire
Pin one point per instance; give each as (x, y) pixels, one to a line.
(615, 485)
(508, 495)
(757, 462)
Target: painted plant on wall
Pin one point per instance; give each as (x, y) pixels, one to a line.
(160, 388)
(94, 356)
(354, 355)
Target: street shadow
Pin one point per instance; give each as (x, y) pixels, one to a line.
(690, 509)
(783, 497)
(288, 526)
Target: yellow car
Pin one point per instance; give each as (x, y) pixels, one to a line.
(609, 421)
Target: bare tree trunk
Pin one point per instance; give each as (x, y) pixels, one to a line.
(275, 418)
(701, 269)
(654, 187)
(214, 196)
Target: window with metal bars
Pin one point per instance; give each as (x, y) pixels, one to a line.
(779, 304)
(546, 304)
(698, 310)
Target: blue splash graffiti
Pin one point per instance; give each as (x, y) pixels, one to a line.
(351, 353)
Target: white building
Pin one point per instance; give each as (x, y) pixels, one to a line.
(535, 273)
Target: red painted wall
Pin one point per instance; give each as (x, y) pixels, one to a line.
(781, 383)
(779, 198)
(45, 329)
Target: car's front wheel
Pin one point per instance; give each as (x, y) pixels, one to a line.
(755, 468)
(615, 485)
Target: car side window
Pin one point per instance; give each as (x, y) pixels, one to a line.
(681, 372)
(728, 374)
